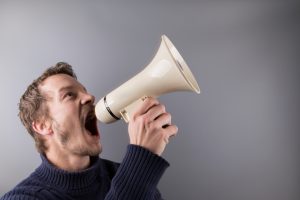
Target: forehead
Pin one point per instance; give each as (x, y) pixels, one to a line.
(55, 83)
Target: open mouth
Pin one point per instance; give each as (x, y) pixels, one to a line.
(91, 124)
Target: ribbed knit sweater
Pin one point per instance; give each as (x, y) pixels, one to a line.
(135, 178)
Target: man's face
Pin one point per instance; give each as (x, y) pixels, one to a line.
(72, 117)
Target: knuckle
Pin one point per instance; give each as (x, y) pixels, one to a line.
(175, 130)
(153, 101)
(134, 117)
(162, 107)
(144, 119)
(172, 130)
(148, 99)
(152, 126)
(169, 115)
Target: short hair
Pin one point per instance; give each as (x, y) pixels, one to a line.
(32, 106)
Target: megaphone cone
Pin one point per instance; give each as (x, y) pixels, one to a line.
(167, 72)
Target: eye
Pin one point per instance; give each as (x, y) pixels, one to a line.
(70, 95)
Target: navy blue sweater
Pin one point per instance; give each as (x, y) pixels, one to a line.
(135, 178)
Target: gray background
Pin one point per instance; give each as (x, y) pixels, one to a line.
(237, 140)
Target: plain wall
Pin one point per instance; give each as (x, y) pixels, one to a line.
(237, 140)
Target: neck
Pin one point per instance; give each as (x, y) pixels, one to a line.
(71, 163)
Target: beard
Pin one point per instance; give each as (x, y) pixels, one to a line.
(80, 149)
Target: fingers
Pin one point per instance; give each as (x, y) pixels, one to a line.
(143, 108)
(171, 131)
(156, 112)
(163, 122)
(151, 126)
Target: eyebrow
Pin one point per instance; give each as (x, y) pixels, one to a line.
(70, 87)
(65, 88)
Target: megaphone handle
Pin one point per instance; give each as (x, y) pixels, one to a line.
(127, 111)
(125, 116)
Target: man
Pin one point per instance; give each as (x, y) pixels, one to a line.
(58, 112)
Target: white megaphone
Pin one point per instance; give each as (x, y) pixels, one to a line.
(167, 72)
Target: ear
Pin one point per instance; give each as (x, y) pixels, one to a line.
(42, 127)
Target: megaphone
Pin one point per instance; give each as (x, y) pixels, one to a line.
(167, 72)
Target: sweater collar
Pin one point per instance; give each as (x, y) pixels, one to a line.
(68, 180)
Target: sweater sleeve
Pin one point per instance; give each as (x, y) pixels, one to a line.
(138, 175)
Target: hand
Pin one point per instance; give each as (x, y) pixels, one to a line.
(150, 126)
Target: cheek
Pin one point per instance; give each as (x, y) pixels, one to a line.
(66, 117)
(62, 131)
(63, 138)
(68, 123)
(63, 115)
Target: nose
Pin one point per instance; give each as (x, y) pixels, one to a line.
(87, 98)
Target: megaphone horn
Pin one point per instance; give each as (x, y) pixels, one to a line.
(167, 72)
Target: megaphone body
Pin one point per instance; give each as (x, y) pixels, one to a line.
(167, 72)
